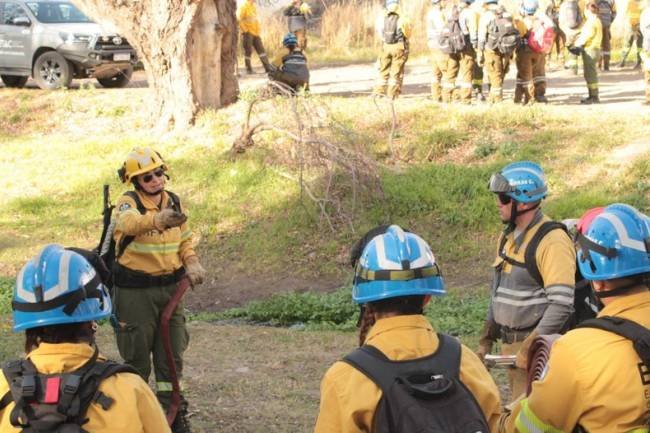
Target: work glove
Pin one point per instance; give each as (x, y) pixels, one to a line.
(168, 218)
(305, 9)
(576, 51)
(522, 355)
(194, 270)
(480, 58)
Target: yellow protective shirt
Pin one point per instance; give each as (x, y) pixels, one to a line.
(633, 12)
(591, 33)
(594, 379)
(247, 17)
(135, 408)
(152, 251)
(518, 301)
(349, 398)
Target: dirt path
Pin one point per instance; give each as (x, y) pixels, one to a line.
(620, 89)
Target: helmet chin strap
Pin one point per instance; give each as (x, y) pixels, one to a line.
(514, 214)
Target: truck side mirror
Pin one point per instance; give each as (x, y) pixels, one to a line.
(21, 21)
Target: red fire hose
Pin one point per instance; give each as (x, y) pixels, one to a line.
(181, 288)
(538, 355)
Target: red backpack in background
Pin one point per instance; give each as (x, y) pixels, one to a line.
(542, 35)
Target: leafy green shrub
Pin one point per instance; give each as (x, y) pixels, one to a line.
(456, 314)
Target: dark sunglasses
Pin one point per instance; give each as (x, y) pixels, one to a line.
(504, 198)
(149, 176)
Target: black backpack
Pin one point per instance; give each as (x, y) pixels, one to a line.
(638, 334)
(585, 304)
(107, 250)
(423, 395)
(56, 403)
(503, 37)
(392, 33)
(451, 39)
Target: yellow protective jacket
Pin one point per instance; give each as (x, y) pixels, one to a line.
(247, 17)
(591, 33)
(633, 12)
(152, 251)
(349, 398)
(594, 379)
(135, 408)
(518, 301)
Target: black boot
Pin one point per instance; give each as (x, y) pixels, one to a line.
(592, 98)
(181, 423)
(249, 67)
(606, 62)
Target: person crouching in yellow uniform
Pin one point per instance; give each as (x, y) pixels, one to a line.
(58, 297)
(595, 379)
(153, 252)
(395, 31)
(588, 45)
(395, 276)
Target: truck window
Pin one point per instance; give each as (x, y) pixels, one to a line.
(57, 12)
(12, 11)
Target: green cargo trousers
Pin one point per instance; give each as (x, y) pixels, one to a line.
(392, 60)
(590, 60)
(138, 313)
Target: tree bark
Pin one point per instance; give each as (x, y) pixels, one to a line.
(188, 48)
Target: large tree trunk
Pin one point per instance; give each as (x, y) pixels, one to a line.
(188, 48)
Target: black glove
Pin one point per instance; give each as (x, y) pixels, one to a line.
(576, 51)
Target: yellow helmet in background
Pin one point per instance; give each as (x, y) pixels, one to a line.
(140, 160)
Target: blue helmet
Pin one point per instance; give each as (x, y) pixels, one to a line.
(390, 3)
(290, 39)
(529, 7)
(616, 244)
(522, 181)
(396, 263)
(56, 287)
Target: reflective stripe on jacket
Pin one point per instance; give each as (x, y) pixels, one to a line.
(518, 301)
(135, 408)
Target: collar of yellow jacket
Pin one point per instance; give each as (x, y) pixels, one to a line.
(392, 323)
(150, 204)
(625, 303)
(59, 358)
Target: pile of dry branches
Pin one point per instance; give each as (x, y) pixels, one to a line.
(312, 149)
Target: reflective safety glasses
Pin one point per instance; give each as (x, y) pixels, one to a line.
(149, 176)
(504, 198)
(498, 183)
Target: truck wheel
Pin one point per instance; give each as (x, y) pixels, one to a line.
(14, 80)
(52, 71)
(121, 79)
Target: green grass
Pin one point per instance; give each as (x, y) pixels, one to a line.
(457, 313)
(251, 218)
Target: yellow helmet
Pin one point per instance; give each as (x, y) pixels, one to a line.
(140, 160)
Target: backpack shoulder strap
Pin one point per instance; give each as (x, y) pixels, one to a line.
(638, 334)
(504, 256)
(138, 203)
(377, 367)
(175, 200)
(374, 364)
(89, 388)
(5, 400)
(531, 249)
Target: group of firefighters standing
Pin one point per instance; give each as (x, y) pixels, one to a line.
(467, 37)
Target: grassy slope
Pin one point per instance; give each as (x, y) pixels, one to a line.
(247, 213)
